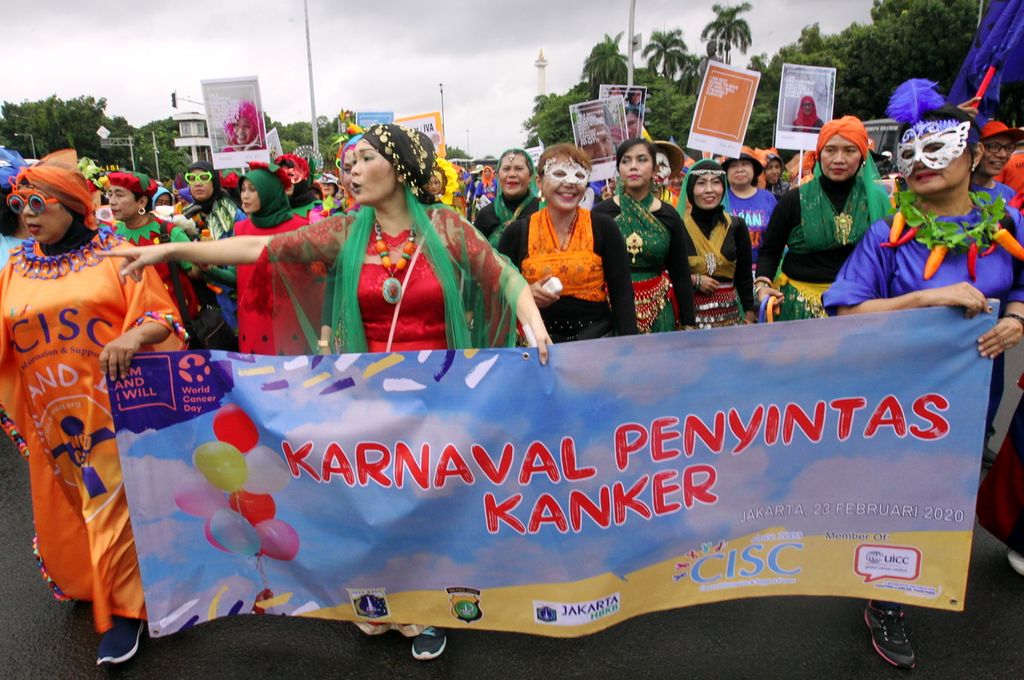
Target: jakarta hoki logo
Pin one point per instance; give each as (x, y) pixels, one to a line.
(465, 604)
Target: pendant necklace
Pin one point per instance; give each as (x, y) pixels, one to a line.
(392, 288)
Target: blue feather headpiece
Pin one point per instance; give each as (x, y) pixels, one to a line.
(913, 99)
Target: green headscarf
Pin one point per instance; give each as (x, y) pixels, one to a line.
(500, 209)
(819, 228)
(274, 206)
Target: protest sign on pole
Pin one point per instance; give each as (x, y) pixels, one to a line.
(806, 97)
(423, 486)
(598, 127)
(430, 125)
(365, 119)
(274, 147)
(635, 100)
(234, 117)
(534, 153)
(724, 103)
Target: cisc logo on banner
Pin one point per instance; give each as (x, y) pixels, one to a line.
(875, 562)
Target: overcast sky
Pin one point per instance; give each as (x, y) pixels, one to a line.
(378, 56)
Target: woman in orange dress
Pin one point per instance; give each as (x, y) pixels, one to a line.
(70, 323)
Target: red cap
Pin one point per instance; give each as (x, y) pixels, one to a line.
(994, 127)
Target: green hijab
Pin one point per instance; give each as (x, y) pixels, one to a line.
(274, 207)
(500, 209)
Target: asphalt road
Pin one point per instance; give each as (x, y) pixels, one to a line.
(791, 637)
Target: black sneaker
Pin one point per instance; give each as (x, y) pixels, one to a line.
(429, 644)
(120, 642)
(889, 634)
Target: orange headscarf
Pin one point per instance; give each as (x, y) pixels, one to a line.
(58, 176)
(848, 127)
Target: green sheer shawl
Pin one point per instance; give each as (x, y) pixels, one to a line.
(480, 286)
(822, 228)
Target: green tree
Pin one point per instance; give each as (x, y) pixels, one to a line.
(456, 152)
(689, 74)
(666, 52)
(173, 161)
(605, 64)
(728, 30)
(550, 120)
(57, 124)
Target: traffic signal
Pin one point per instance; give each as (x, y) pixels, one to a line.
(174, 100)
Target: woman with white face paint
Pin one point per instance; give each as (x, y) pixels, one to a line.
(933, 265)
(574, 261)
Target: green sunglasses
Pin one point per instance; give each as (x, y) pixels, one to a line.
(198, 177)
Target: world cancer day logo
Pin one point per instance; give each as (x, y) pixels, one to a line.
(757, 564)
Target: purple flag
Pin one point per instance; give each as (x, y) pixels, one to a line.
(1000, 44)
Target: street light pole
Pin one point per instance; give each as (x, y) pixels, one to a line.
(312, 98)
(441, 85)
(31, 140)
(629, 44)
(156, 155)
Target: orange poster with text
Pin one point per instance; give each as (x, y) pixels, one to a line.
(723, 109)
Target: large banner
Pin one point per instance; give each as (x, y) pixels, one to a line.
(724, 104)
(234, 118)
(806, 97)
(480, 489)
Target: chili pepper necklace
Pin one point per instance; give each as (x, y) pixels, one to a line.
(941, 236)
(392, 287)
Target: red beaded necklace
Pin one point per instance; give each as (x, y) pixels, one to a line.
(392, 288)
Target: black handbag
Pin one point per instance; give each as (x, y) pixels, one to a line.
(208, 330)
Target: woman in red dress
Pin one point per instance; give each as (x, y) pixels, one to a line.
(409, 274)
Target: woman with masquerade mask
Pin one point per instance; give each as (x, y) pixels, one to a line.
(59, 280)
(656, 242)
(720, 254)
(897, 267)
(517, 197)
(815, 227)
(584, 251)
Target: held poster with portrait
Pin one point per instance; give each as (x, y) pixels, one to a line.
(234, 118)
(724, 103)
(479, 489)
(429, 124)
(634, 99)
(806, 97)
(598, 127)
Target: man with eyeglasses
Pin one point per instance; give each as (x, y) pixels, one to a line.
(1013, 172)
(998, 141)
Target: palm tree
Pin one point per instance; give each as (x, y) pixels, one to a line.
(689, 74)
(606, 64)
(728, 30)
(666, 52)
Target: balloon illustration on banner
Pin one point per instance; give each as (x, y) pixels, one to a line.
(234, 492)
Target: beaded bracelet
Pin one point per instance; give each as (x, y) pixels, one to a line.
(1018, 317)
(166, 320)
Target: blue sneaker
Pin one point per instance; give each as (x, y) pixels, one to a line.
(429, 644)
(120, 642)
